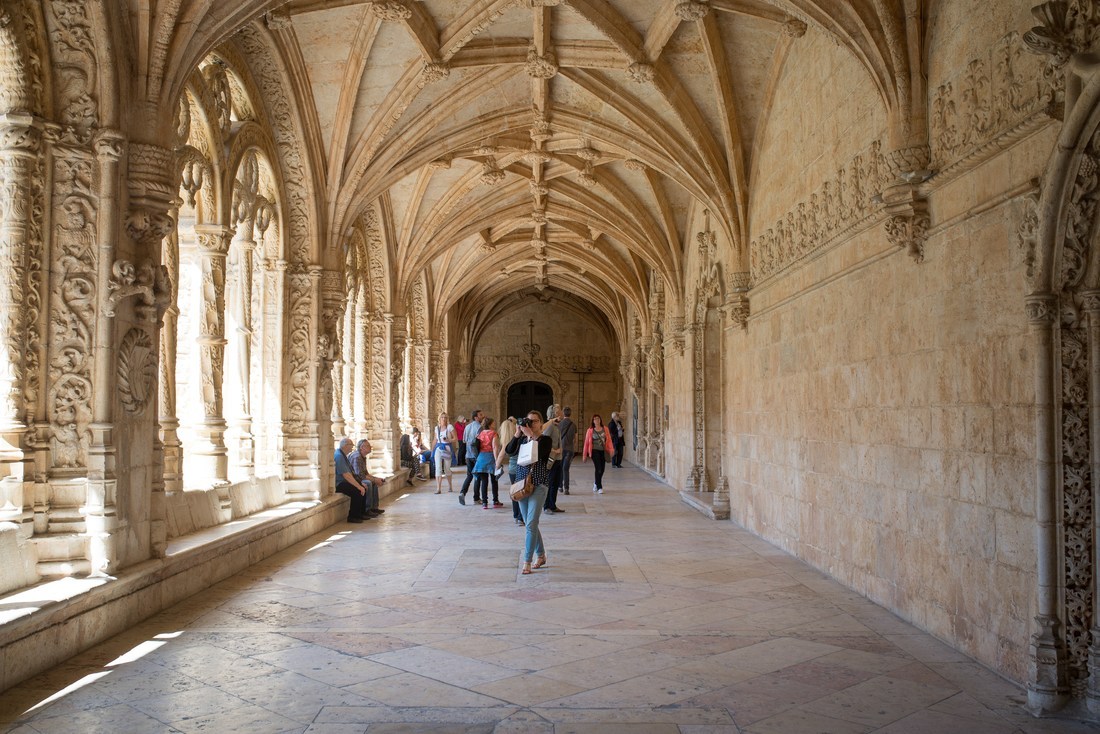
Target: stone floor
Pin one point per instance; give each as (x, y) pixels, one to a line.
(648, 618)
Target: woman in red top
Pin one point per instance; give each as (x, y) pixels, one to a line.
(598, 445)
(486, 464)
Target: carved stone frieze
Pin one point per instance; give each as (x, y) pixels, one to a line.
(839, 205)
(137, 371)
(994, 101)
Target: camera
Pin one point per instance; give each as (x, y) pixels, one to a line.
(523, 422)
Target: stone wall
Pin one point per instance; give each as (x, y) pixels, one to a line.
(566, 338)
(884, 409)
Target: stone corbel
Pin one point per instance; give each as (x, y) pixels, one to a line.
(677, 334)
(906, 208)
(147, 281)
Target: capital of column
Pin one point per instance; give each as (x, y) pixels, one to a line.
(109, 146)
(1041, 309)
(152, 188)
(213, 239)
(20, 135)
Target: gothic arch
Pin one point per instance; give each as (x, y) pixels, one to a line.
(1063, 309)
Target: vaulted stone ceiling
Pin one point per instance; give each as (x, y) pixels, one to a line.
(552, 144)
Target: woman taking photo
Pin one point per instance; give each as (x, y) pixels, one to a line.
(486, 464)
(445, 440)
(530, 507)
(596, 442)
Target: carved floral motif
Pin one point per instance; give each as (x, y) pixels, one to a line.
(987, 102)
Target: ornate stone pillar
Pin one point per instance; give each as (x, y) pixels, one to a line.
(360, 343)
(169, 420)
(1091, 301)
(382, 421)
(300, 427)
(697, 476)
(239, 429)
(333, 304)
(212, 461)
(131, 380)
(1047, 671)
(20, 141)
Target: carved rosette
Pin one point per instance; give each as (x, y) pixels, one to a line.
(491, 175)
(641, 72)
(137, 371)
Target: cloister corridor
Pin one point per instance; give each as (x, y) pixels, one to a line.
(648, 618)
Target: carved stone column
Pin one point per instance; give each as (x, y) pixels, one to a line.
(697, 476)
(20, 139)
(382, 417)
(169, 420)
(152, 189)
(360, 342)
(242, 444)
(1091, 301)
(212, 461)
(329, 346)
(1048, 688)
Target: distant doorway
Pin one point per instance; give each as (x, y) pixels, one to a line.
(524, 397)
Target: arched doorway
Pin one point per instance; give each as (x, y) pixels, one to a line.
(527, 396)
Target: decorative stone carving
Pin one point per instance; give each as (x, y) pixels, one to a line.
(691, 10)
(540, 130)
(72, 305)
(632, 164)
(435, 71)
(217, 80)
(491, 175)
(542, 66)
(1027, 233)
(390, 10)
(152, 188)
(299, 314)
(991, 104)
(278, 21)
(74, 62)
(137, 371)
(794, 28)
(147, 281)
(641, 72)
(1066, 27)
(839, 206)
(909, 233)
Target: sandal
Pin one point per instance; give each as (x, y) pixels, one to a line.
(540, 561)
(526, 568)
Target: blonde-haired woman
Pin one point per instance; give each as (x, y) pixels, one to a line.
(443, 440)
(508, 431)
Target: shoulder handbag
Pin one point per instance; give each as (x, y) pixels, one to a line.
(522, 490)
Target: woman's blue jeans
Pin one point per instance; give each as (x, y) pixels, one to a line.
(531, 510)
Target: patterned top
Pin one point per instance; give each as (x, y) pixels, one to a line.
(598, 439)
(540, 470)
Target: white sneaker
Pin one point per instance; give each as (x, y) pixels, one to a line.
(595, 488)
(599, 491)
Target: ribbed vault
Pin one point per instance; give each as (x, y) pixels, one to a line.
(539, 144)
